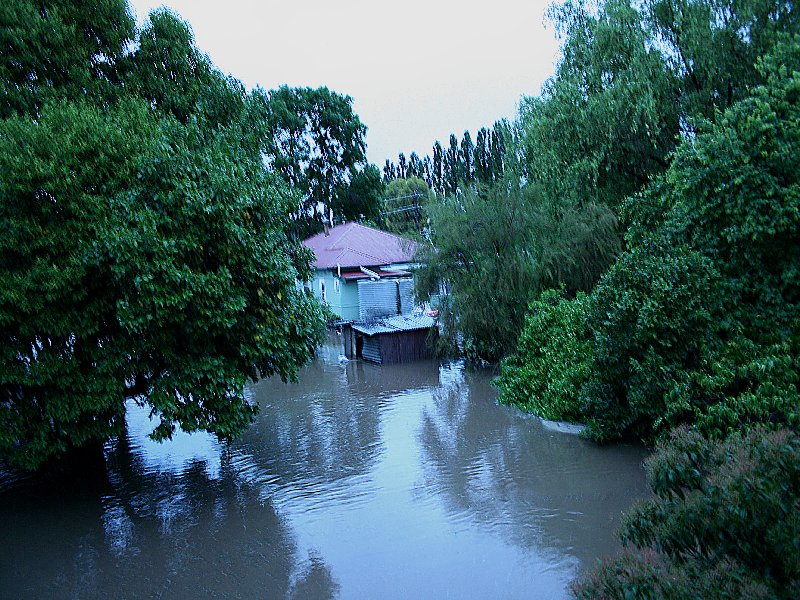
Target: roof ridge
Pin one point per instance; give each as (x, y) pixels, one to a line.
(340, 236)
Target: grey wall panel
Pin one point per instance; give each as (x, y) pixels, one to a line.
(406, 289)
(372, 349)
(377, 299)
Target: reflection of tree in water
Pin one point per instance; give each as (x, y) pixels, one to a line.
(536, 487)
(152, 534)
(326, 427)
(315, 581)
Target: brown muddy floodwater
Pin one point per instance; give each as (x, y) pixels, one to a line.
(359, 481)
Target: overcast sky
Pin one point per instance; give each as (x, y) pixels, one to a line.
(416, 69)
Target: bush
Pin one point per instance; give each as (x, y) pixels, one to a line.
(724, 523)
(698, 321)
(655, 321)
(553, 359)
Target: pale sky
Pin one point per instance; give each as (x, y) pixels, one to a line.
(417, 70)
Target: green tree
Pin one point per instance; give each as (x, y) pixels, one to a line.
(438, 177)
(402, 166)
(59, 49)
(712, 48)
(316, 143)
(553, 358)
(697, 321)
(482, 248)
(608, 119)
(483, 170)
(360, 198)
(501, 135)
(467, 151)
(404, 210)
(452, 166)
(389, 171)
(144, 256)
(726, 355)
(169, 71)
(414, 166)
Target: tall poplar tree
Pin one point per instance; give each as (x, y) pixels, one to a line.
(467, 150)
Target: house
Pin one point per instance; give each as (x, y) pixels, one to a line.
(362, 273)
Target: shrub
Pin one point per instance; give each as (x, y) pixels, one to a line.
(553, 359)
(724, 522)
(654, 318)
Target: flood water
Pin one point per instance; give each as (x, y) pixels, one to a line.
(359, 481)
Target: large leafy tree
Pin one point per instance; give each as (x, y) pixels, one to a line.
(632, 77)
(723, 227)
(144, 252)
(57, 49)
(697, 321)
(494, 247)
(316, 143)
(608, 119)
(361, 197)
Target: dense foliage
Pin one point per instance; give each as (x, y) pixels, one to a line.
(316, 143)
(724, 523)
(698, 321)
(144, 252)
(447, 168)
(492, 248)
(553, 357)
(484, 255)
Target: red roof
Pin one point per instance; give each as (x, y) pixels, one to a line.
(354, 245)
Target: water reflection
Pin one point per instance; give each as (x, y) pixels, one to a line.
(537, 487)
(170, 521)
(327, 427)
(358, 481)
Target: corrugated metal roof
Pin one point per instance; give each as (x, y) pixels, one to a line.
(354, 245)
(395, 324)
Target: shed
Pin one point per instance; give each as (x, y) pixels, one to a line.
(402, 338)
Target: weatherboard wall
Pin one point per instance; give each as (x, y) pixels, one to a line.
(377, 299)
(340, 295)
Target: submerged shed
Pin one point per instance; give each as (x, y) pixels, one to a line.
(397, 339)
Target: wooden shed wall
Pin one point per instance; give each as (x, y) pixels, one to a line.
(372, 349)
(404, 346)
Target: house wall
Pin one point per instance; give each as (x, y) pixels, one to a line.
(377, 299)
(343, 296)
(348, 300)
(340, 295)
